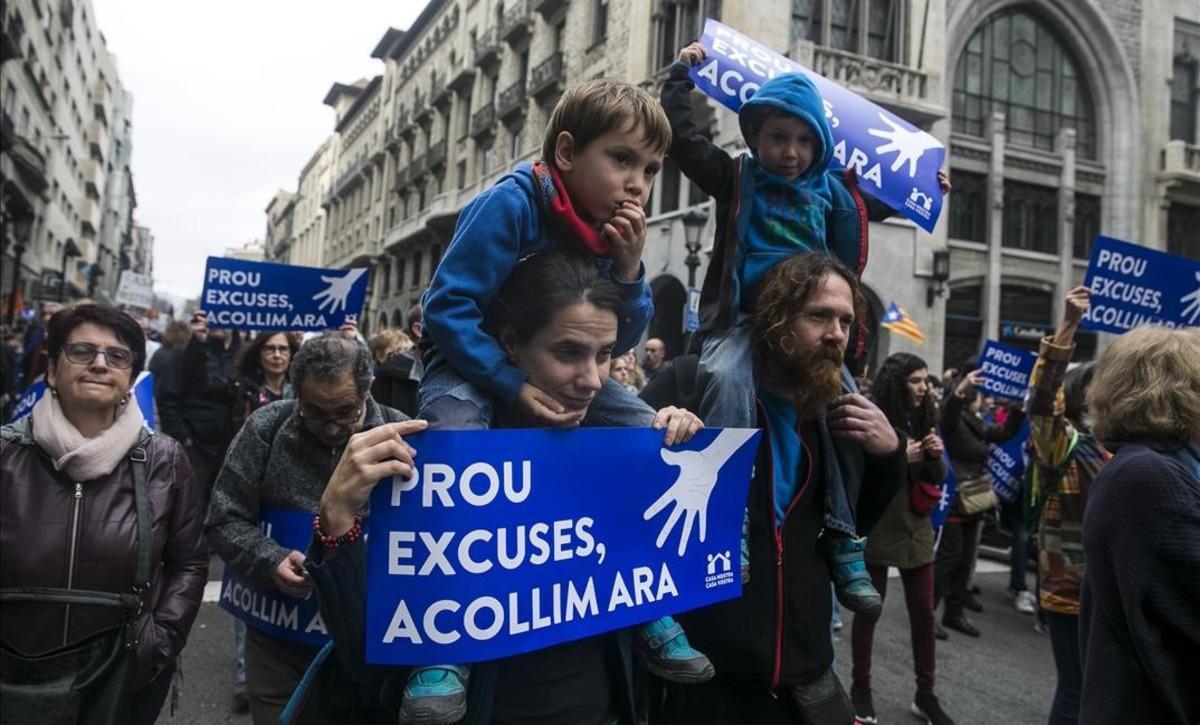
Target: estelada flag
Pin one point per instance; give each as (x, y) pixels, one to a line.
(898, 321)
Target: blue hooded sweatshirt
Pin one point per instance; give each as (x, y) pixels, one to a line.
(785, 217)
(495, 230)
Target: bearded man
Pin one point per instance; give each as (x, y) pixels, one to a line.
(823, 449)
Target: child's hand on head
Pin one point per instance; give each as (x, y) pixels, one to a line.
(692, 54)
(626, 231)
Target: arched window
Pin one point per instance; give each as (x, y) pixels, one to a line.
(1016, 64)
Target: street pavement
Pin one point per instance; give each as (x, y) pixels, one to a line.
(1005, 677)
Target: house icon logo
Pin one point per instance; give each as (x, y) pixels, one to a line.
(719, 570)
(920, 202)
(718, 561)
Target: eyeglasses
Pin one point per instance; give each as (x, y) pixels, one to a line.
(321, 420)
(277, 349)
(83, 353)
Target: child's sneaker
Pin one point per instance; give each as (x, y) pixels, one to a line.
(665, 648)
(851, 581)
(435, 695)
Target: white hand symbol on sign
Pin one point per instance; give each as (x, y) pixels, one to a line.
(697, 476)
(1193, 303)
(908, 145)
(339, 289)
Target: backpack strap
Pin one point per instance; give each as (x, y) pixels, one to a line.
(139, 463)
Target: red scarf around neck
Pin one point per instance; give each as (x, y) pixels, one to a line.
(560, 213)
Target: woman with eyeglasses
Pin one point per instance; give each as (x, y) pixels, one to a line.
(102, 553)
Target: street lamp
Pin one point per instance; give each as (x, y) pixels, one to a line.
(70, 250)
(941, 273)
(693, 224)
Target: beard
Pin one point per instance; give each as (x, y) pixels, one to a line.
(812, 376)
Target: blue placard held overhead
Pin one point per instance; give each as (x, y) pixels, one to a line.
(896, 162)
(1006, 370)
(243, 295)
(1006, 464)
(143, 390)
(272, 612)
(509, 541)
(1134, 286)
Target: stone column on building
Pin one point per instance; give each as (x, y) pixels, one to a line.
(1066, 216)
(995, 188)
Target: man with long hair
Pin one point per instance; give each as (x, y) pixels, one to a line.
(821, 447)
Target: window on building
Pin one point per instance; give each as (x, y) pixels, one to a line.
(1015, 64)
(1182, 222)
(461, 173)
(677, 22)
(1030, 217)
(1185, 82)
(873, 28)
(514, 149)
(416, 269)
(600, 21)
(400, 264)
(1185, 88)
(668, 186)
(964, 324)
(1087, 224)
(464, 115)
(968, 206)
(385, 278)
(1021, 303)
(806, 20)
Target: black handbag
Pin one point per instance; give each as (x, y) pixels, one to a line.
(88, 682)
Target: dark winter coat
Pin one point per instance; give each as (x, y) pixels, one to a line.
(55, 532)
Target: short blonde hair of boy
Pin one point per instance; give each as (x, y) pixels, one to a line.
(1147, 387)
(591, 109)
(387, 339)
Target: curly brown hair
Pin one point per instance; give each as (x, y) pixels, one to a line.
(784, 292)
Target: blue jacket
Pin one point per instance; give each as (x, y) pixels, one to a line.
(730, 181)
(495, 230)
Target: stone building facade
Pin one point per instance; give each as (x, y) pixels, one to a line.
(67, 189)
(1062, 118)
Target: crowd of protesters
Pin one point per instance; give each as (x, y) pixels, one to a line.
(107, 527)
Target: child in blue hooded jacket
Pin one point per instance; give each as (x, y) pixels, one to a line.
(780, 200)
(601, 150)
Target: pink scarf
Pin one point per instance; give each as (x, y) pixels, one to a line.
(84, 459)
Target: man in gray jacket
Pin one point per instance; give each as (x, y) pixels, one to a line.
(282, 458)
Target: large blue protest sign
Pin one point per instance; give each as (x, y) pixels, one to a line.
(896, 162)
(1006, 370)
(243, 295)
(509, 541)
(1134, 286)
(1006, 464)
(271, 612)
(143, 390)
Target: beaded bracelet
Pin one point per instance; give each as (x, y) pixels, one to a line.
(331, 543)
